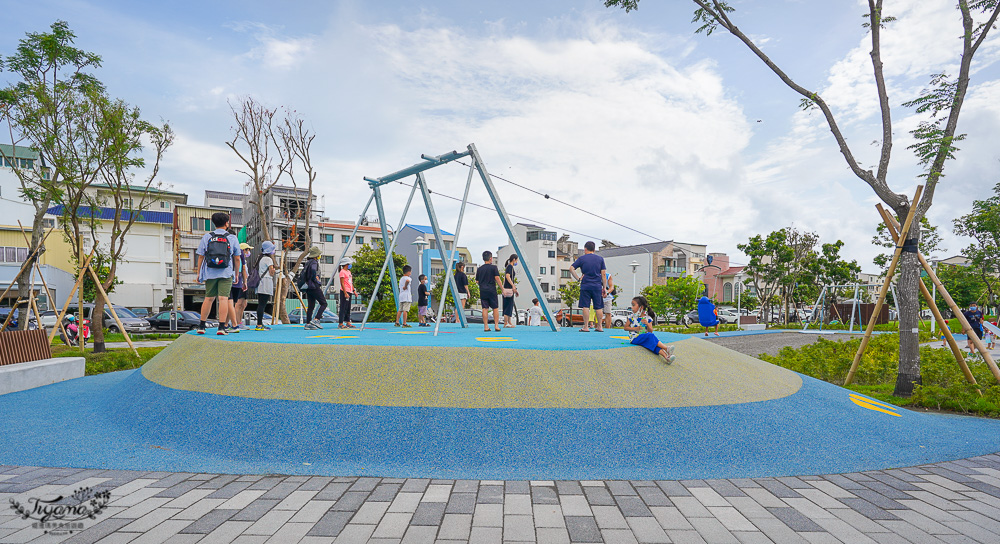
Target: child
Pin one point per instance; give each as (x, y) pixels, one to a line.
(990, 338)
(488, 277)
(707, 315)
(405, 297)
(265, 290)
(422, 301)
(639, 321)
(535, 314)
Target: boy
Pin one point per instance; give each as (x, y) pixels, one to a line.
(405, 297)
(218, 263)
(535, 314)
(422, 301)
(488, 277)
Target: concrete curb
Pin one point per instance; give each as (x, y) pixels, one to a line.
(23, 376)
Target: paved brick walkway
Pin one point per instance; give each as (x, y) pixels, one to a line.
(948, 502)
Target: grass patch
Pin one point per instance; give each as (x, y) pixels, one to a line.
(111, 360)
(691, 329)
(119, 337)
(944, 386)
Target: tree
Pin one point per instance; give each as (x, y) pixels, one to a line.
(677, 296)
(44, 111)
(769, 264)
(799, 279)
(368, 261)
(570, 293)
(963, 284)
(930, 242)
(296, 143)
(439, 285)
(982, 224)
(129, 199)
(941, 104)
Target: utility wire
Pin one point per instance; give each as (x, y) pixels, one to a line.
(564, 203)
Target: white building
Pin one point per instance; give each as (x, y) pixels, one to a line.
(540, 250)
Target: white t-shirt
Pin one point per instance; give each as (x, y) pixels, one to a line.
(404, 289)
(266, 286)
(535, 316)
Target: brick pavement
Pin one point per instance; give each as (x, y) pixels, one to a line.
(949, 502)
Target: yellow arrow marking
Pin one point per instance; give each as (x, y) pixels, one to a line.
(873, 405)
(496, 339)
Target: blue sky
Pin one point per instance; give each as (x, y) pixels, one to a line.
(683, 136)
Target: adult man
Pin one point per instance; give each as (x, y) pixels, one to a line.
(975, 318)
(488, 278)
(462, 283)
(593, 284)
(218, 263)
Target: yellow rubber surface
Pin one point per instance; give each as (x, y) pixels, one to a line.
(704, 374)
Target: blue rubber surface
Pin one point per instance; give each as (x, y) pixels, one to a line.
(123, 421)
(450, 335)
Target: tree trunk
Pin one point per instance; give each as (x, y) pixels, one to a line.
(909, 340)
(97, 323)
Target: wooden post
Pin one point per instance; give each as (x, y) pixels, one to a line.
(111, 308)
(955, 349)
(885, 286)
(79, 280)
(48, 292)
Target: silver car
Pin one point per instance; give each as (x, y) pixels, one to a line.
(131, 322)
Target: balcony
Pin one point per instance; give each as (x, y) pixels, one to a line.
(670, 271)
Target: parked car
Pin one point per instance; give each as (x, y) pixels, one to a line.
(48, 319)
(474, 315)
(522, 317)
(140, 312)
(132, 323)
(250, 317)
(728, 317)
(13, 325)
(620, 317)
(570, 317)
(185, 321)
(297, 316)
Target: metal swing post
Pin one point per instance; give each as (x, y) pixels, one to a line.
(422, 182)
(854, 308)
(815, 308)
(385, 236)
(449, 277)
(525, 264)
(388, 257)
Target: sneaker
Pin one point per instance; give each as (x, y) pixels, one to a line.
(201, 331)
(670, 350)
(311, 326)
(406, 326)
(233, 330)
(316, 324)
(670, 359)
(221, 331)
(262, 328)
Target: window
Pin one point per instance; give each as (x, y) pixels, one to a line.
(565, 274)
(170, 270)
(360, 240)
(328, 238)
(328, 259)
(552, 254)
(376, 241)
(552, 270)
(164, 205)
(436, 271)
(433, 244)
(49, 223)
(545, 287)
(447, 246)
(542, 271)
(540, 235)
(345, 239)
(200, 223)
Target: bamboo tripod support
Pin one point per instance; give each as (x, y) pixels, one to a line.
(45, 284)
(111, 308)
(69, 298)
(955, 349)
(885, 286)
(24, 266)
(966, 327)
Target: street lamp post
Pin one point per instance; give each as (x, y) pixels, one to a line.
(421, 244)
(635, 266)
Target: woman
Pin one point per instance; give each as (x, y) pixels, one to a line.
(312, 288)
(509, 292)
(346, 292)
(265, 290)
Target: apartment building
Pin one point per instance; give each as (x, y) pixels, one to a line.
(541, 259)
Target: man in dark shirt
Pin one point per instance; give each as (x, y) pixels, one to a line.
(488, 276)
(593, 285)
(462, 283)
(975, 318)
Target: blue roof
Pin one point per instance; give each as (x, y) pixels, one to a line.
(108, 214)
(427, 229)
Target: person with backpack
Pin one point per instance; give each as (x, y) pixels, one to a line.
(262, 279)
(218, 263)
(312, 288)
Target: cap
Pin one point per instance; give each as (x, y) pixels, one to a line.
(245, 245)
(267, 248)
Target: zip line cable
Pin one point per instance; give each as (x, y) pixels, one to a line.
(564, 203)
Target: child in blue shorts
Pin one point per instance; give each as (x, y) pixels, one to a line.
(640, 330)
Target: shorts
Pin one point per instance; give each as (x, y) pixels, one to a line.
(591, 295)
(237, 293)
(608, 301)
(462, 296)
(218, 287)
(405, 306)
(979, 332)
(421, 310)
(489, 300)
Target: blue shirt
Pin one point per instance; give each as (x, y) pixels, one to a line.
(207, 273)
(590, 265)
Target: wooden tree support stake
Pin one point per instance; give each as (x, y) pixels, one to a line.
(69, 299)
(885, 286)
(48, 292)
(955, 349)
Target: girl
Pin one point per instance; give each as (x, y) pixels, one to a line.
(265, 268)
(640, 321)
(509, 292)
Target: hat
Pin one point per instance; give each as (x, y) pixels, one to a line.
(267, 248)
(314, 251)
(346, 260)
(245, 245)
